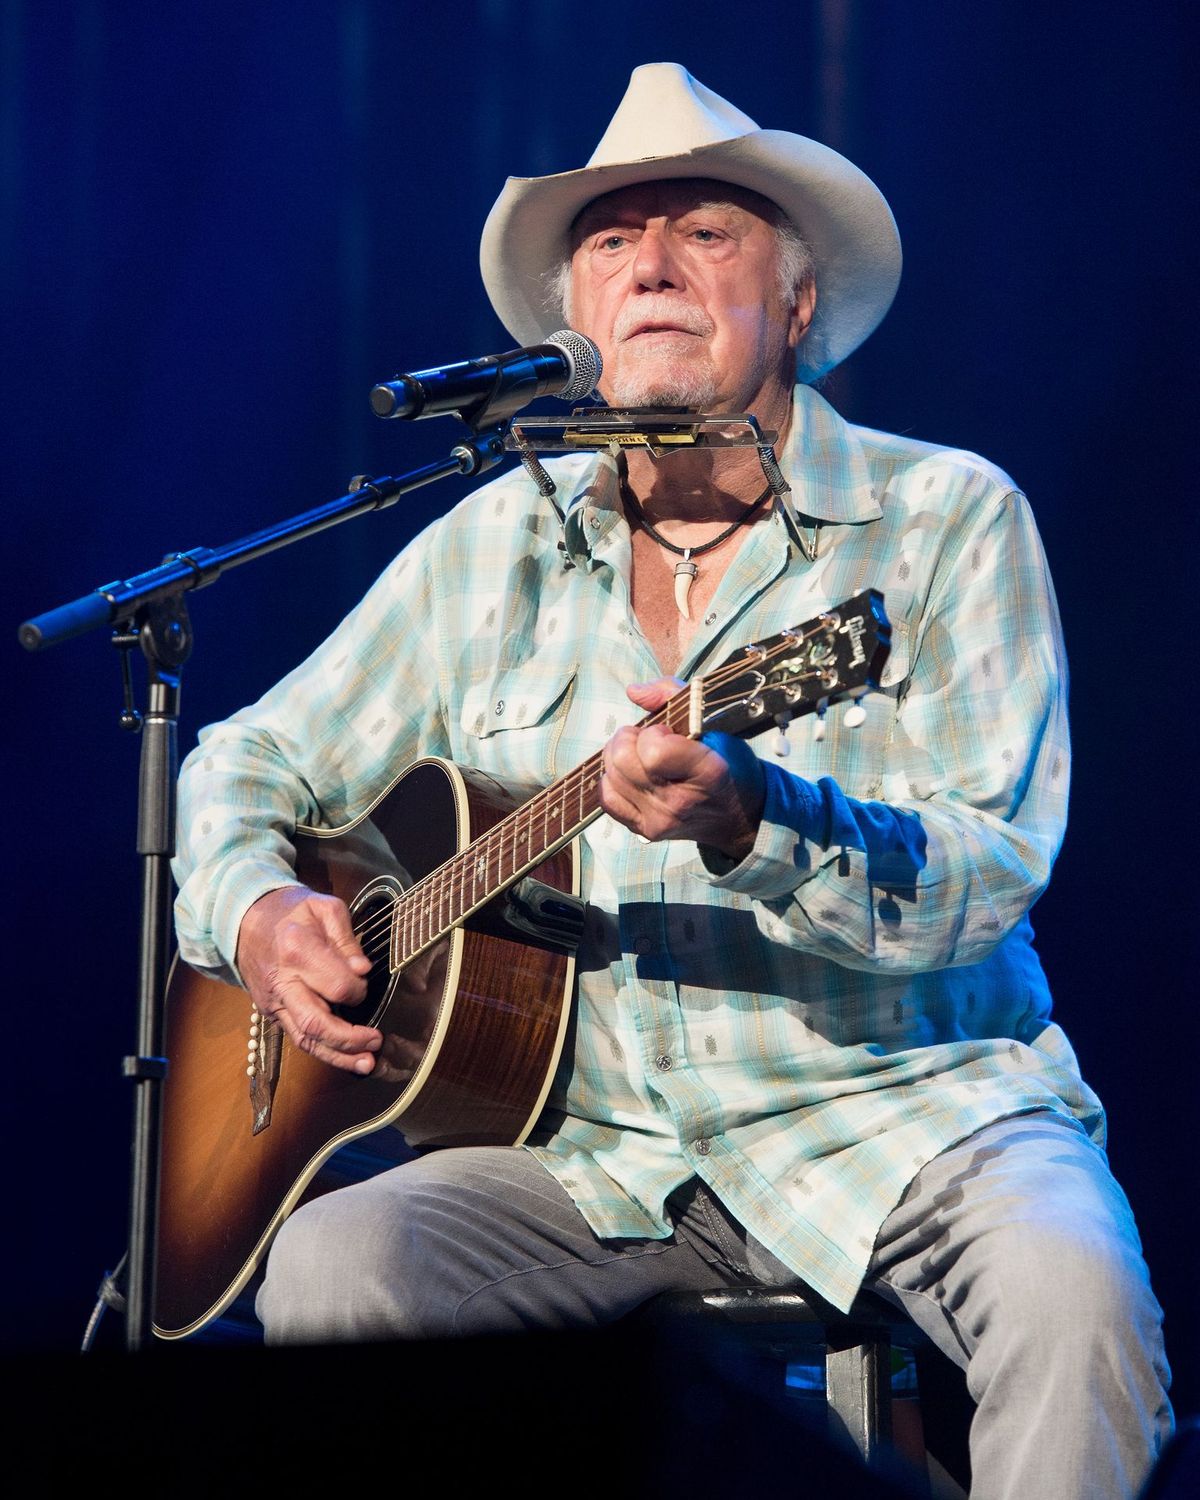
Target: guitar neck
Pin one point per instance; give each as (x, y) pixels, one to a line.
(802, 669)
(517, 844)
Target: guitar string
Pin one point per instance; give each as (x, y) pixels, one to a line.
(429, 892)
(490, 846)
(421, 898)
(428, 895)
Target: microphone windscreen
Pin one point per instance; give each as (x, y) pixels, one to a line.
(585, 362)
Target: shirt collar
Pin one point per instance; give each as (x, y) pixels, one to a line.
(822, 459)
(591, 507)
(825, 464)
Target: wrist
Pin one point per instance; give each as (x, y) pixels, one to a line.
(736, 838)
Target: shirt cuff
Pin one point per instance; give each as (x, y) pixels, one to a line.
(792, 836)
(237, 893)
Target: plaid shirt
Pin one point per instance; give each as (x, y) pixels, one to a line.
(803, 1030)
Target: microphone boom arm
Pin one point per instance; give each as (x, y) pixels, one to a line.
(113, 602)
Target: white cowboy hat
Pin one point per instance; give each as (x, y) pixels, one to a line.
(668, 125)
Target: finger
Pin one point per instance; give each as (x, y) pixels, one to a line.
(306, 949)
(631, 793)
(334, 918)
(656, 757)
(622, 759)
(652, 695)
(617, 802)
(313, 1028)
(662, 785)
(669, 757)
(651, 815)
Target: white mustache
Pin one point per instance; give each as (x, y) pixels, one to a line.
(660, 310)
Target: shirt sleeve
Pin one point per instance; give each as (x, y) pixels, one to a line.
(317, 749)
(940, 868)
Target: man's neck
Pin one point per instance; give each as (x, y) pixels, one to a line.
(684, 512)
(703, 484)
(699, 487)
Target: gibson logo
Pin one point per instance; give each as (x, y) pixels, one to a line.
(855, 628)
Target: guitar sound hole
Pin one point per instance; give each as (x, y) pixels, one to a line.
(371, 913)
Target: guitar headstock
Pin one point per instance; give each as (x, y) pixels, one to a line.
(838, 654)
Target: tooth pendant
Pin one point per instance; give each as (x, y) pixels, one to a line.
(685, 571)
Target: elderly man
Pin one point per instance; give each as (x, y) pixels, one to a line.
(812, 1041)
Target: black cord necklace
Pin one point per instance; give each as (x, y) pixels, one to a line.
(686, 569)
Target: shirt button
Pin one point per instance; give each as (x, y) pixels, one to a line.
(710, 619)
(703, 1147)
(499, 707)
(594, 522)
(663, 1063)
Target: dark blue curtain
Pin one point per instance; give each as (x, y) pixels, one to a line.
(220, 223)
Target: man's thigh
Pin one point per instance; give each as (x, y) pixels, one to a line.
(1023, 1212)
(1017, 1253)
(462, 1241)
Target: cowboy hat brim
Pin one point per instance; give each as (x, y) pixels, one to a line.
(837, 208)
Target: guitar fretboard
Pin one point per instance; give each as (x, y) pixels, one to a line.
(517, 844)
(803, 668)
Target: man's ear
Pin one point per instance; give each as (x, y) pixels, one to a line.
(801, 315)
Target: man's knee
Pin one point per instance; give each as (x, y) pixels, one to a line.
(399, 1255)
(1019, 1241)
(341, 1269)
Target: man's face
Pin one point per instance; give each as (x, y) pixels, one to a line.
(677, 283)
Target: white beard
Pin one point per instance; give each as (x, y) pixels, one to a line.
(690, 385)
(657, 376)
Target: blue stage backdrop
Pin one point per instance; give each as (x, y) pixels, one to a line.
(220, 224)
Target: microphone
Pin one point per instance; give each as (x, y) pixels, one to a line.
(567, 365)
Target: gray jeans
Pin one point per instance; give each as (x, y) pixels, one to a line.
(1015, 1251)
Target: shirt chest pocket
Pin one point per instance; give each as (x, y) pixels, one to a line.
(511, 719)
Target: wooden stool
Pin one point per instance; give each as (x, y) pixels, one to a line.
(783, 1328)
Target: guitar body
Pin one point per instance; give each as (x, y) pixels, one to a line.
(473, 1028)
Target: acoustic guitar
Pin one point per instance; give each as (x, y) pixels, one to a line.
(464, 894)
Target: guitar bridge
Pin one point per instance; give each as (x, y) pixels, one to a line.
(263, 1055)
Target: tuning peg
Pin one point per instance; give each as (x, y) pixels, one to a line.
(819, 726)
(780, 743)
(855, 715)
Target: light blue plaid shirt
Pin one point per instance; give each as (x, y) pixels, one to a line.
(794, 1031)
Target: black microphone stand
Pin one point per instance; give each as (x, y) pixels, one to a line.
(149, 611)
